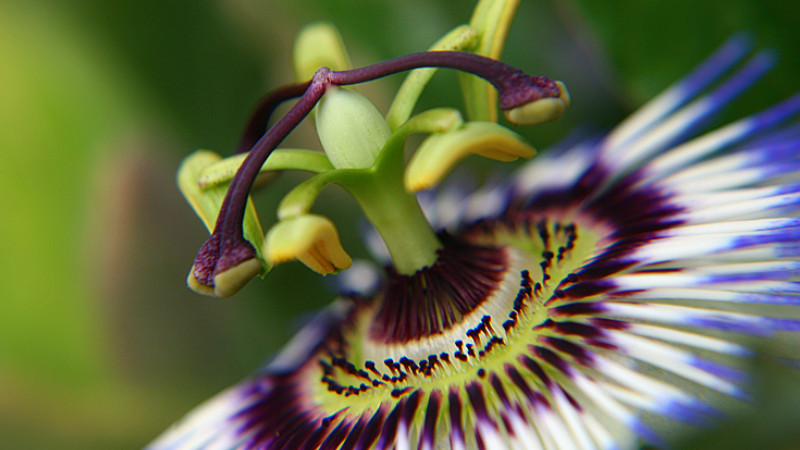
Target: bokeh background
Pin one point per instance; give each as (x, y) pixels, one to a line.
(101, 343)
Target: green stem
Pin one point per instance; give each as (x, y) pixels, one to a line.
(398, 218)
(381, 193)
(393, 211)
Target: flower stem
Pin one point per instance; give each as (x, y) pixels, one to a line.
(396, 215)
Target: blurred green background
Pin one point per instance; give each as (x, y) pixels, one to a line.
(101, 343)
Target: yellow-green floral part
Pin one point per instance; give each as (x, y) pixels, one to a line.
(206, 202)
(491, 19)
(311, 239)
(318, 44)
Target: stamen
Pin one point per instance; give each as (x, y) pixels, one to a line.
(439, 153)
(310, 238)
(227, 248)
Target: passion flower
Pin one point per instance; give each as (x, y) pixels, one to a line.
(605, 287)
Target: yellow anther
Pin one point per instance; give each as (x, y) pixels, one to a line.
(228, 282)
(461, 38)
(540, 111)
(318, 44)
(310, 238)
(198, 287)
(439, 153)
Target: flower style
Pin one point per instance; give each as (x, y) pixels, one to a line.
(603, 288)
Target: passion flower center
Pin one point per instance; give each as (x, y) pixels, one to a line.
(436, 298)
(492, 354)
